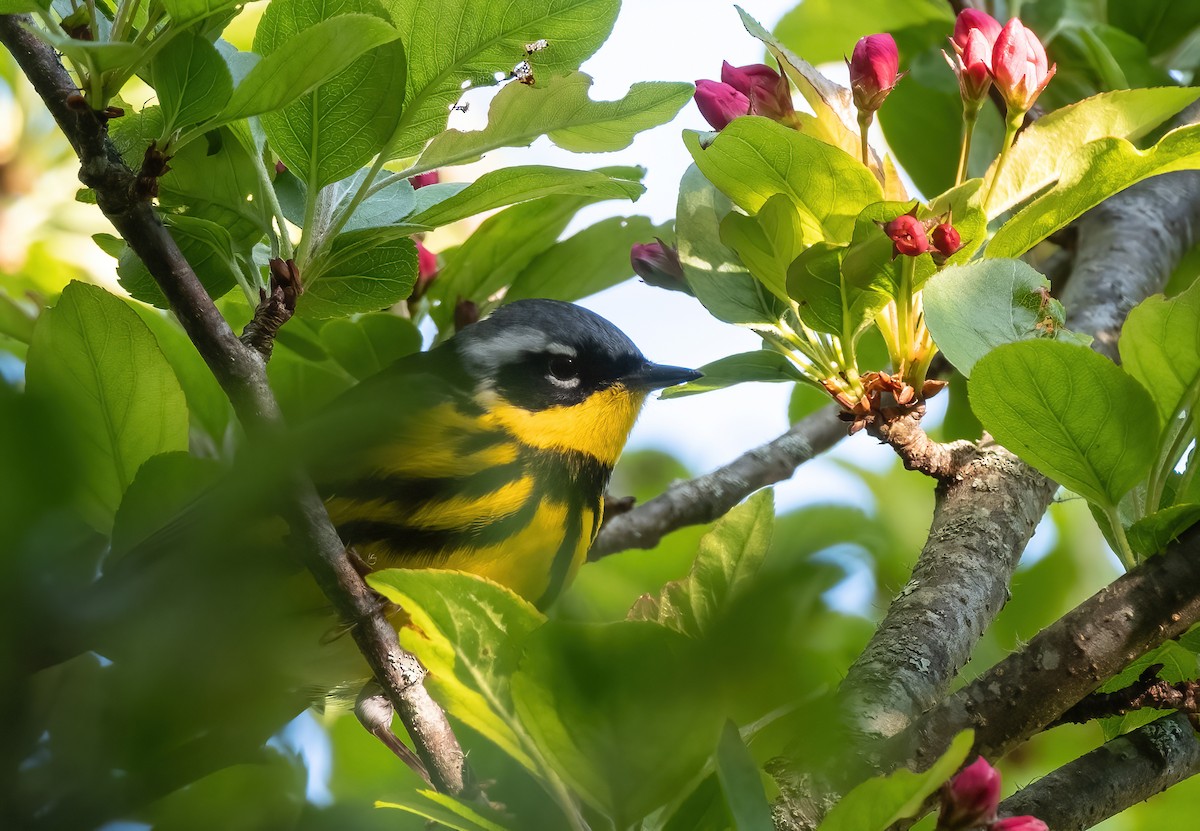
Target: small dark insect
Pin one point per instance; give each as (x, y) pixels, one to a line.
(523, 72)
(459, 108)
(537, 46)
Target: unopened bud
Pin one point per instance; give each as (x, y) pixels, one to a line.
(946, 239)
(280, 168)
(972, 797)
(908, 236)
(720, 103)
(1019, 824)
(427, 269)
(1019, 66)
(767, 91)
(422, 179)
(658, 264)
(465, 313)
(874, 67)
(969, 20)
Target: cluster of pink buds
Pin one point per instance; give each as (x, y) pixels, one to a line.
(756, 89)
(912, 237)
(1011, 56)
(658, 264)
(970, 800)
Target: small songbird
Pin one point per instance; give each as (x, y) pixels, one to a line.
(491, 452)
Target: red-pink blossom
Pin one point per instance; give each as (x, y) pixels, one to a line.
(768, 91)
(423, 179)
(908, 236)
(969, 20)
(946, 239)
(1019, 824)
(1019, 66)
(874, 70)
(720, 103)
(658, 264)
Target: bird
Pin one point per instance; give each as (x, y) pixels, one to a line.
(491, 452)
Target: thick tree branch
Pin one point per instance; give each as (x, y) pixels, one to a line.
(1115, 776)
(1029, 690)
(241, 371)
(710, 496)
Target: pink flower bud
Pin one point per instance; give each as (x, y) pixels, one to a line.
(423, 179)
(427, 269)
(1019, 66)
(1019, 824)
(720, 103)
(969, 20)
(280, 168)
(767, 90)
(972, 797)
(946, 240)
(908, 236)
(658, 264)
(874, 69)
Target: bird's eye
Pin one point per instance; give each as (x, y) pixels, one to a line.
(563, 368)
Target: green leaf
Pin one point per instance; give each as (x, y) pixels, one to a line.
(306, 61)
(760, 365)
(163, 487)
(1160, 24)
(208, 407)
(972, 309)
(102, 56)
(1160, 346)
(713, 271)
(878, 803)
(592, 260)
(1069, 412)
(1179, 664)
(445, 810)
(488, 37)
(337, 128)
(387, 206)
(729, 557)
(469, 633)
(1037, 158)
(823, 32)
(95, 359)
(192, 81)
(742, 783)
(208, 249)
(626, 741)
(500, 249)
(1089, 176)
(183, 12)
(836, 121)
(560, 108)
(755, 158)
(23, 6)
(815, 282)
(768, 241)
(1152, 534)
(359, 274)
(510, 185)
(371, 342)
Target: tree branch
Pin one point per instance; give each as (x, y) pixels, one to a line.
(241, 372)
(1115, 776)
(1029, 690)
(710, 496)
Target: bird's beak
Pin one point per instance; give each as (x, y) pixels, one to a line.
(656, 376)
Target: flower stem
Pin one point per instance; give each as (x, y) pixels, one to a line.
(1124, 552)
(903, 308)
(1011, 125)
(864, 124)
(965, 154)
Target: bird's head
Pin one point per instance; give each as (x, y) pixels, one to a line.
(561, 377)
